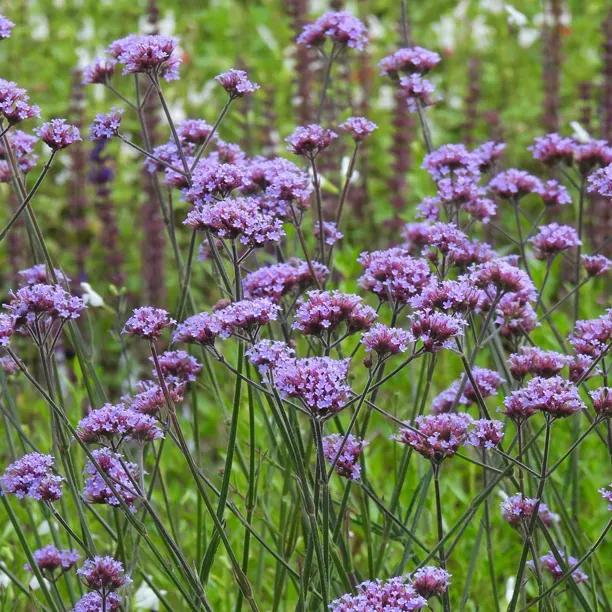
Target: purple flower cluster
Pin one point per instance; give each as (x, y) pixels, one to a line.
(37, 275)
(106, 126)
(178, 367)
(498, 277)
(600, 182)
(591, 154)
(408, 60)
(553, 194)
(103, 574)
(150, 398)
(15, 103)
(22, 145)
(455, 296)
(58, 134)
(513, 184)
(436, 330)
(487, 382)
(212, 180)
(485, 433)
(518, 510)
(596, 265)
(533, 360)
(359, 128)
(394, 594)
(347, 462)
(99, 71)
(148, 322)
(32, 476)
(6, 27)
(201, 328)
(49, 559)
(430, 581)
(153, 54)
(551, 565)
(7, 329)
(236, 83)
(310, 140)
(94, 602)
(606, 493)
(554, 238)
(340, 27)
(331, 234)
(323, 311)
(246, 315)
(385, 341)
(591, 337)
(552, 149)
(602, 401)
(266, 354)
(417, 91)
(451, 160)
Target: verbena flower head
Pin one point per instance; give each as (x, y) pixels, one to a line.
(554, 194)
(178, 367)
(7, 363)
(416, 235)
(554, 238)
(93, 602)
(106, 125)
(200, 328)
(323, 311)
(310, 140)
(498, 276)
(447, 400)
(551, 565)
(347, 464)
(537, 362)
(394, 595)
(99, 71)
(358, 127)
(6, 27)
(103, 574)
(150, 399)
(393, 274)
(437, 436)
(37, 275)
(515, 316)
(590, 337)
(193, 131)
(49, 559)
(600, 182)
(29, 303)
(246, 315)
(552, 149)
(430, 581)
(518, 510)
(15, 103)
(596, 265)
(487, 154)
(408, 60)
(606, 493)
(592, 154)
(236, 83)
(152, 53)
(22, 145)
(436, 330)
(448, 160)
(122, 475)
(580, 368)
(340, 27)
(32, 476)
(214, 181)
(602, 401)
(318, 382)
(266, 354)
(453, 295)
(7, 329)
(485, 433)
(148, 322)
(487, 382)
(417, 91)
(514, 184)
(58, 134)
(385, 340)
(331, 234)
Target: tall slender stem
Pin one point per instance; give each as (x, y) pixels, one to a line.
(441, 554)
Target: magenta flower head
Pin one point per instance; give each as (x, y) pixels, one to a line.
(407, 61)
(606, 493)
(436, 330)
(194, 131)
(310, 140)
(385, 341)
(552, 239)
(554, 194)
(200, 328)
(437, 436)
(49, 559)
(514, 184)
(246, 316)
(28, 303)
(450, 159)
(148, 322)
(552, 149)
(15, 103)
(430, 581)
(600, 182)
(359, 128)
(331, 234)
(486, 433)
(103, 574)
(236, 83)
(94, 602)
(498, 276)
(393, 594)
(417, 91)
(515, 316)
(37, 275)
(6, 27)
(58, 134)
(487, 381)
(106, 126)
(454, 296)
(551, 565)
(323, 311)
(592, 154)
(266, 354)
(591, 337)
(99, 71)
(178, 367)
(32, 476)
(153, 54)
(347, 462)
(151, 399)
(518, 510)
(596, 265)
(318, 382)
(340, 27)
(602, 401)
(535, 361)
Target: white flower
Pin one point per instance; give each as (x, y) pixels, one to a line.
(527, 36)
(34, 584)
(44, 528)
(4, 580)
(515, 18)
(145, 598)
(580, 134)
(90, 297)
(510, 588)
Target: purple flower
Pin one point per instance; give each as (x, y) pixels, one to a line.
(32, 476)
(99, 71)
(453, 295)
(6, 27)
(150, 399)
(518, 510)
(579, 365)
(487, 154)
(550, 564)
(481, 209)
(428, 209)
(498, 276)
(49, 558)
(103, 574)
(213, 181)
(554, 238)
(178, 366)
(394, 594)
(602, 401)
(246, 315)
(485, 433)
(606, 493)
(515, 316)
(408, 60)
(7, 328)
(330, 232)
(553, 194)
(358, 127)
(266, 354)
(319, 382)
(236, 83)
(106, 125)
(591, 337)
(385, 340)
(94, 602)
(487, 381)
(148, 322)
(393, 274)
(37, 275)
(535, 361)
(58, 134)
(200, 328)
(514, 184)
(416, 235)
(153, 53)
(122, 475)
(552, 149)
(436, 330)
(340, 27)
(596, 265)
(193, 131)
(22, 145)
(323, 311)
(430, 581)
(437, 436)
(7, 364)
(416, 91)
(591, 154)
(347, 464)
(310, 140)
(450, 159)
(15, 103)
(600, 182)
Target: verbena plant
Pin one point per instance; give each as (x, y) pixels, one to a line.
(345, 482)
